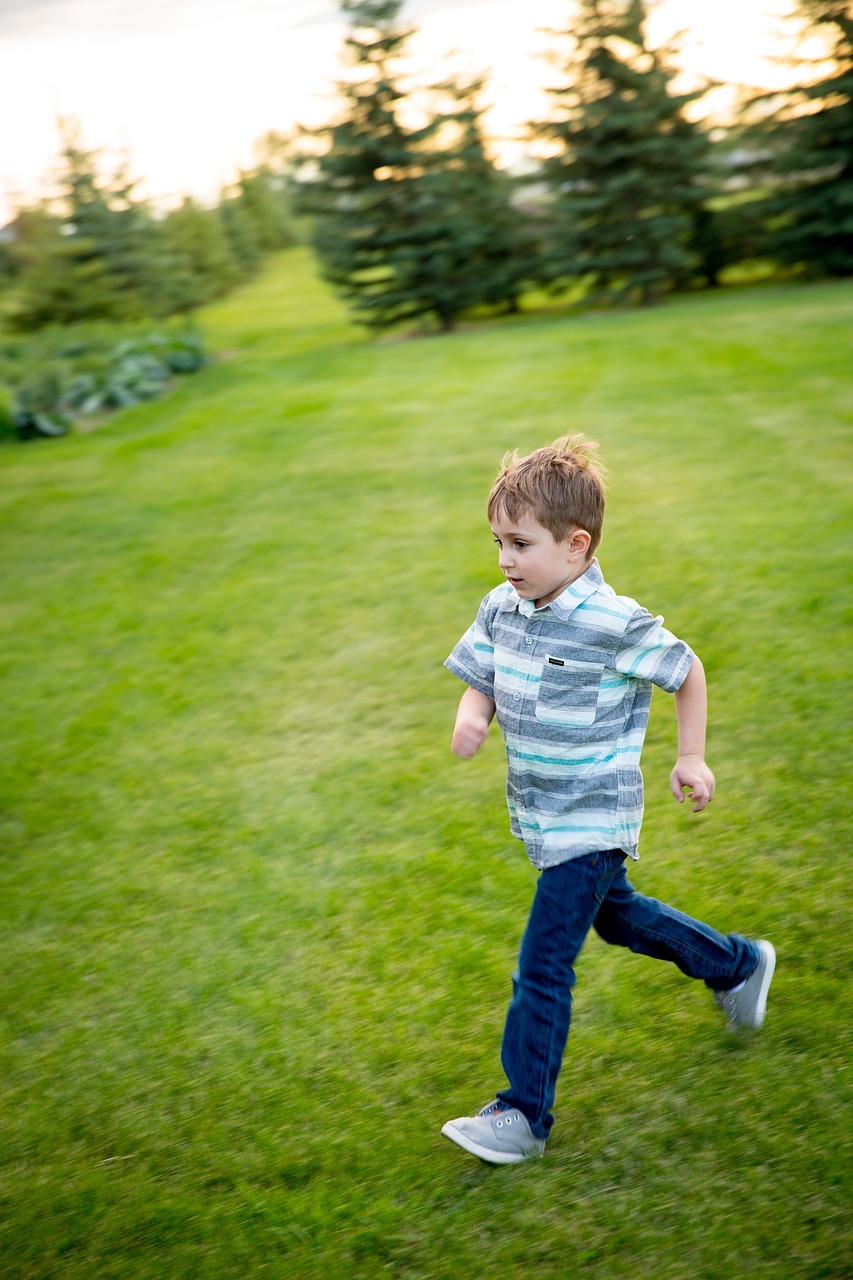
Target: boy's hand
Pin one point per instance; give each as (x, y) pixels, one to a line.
(469, 734)
(472, 723)
(691, 774)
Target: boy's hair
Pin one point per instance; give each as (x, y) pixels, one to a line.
(561, 485)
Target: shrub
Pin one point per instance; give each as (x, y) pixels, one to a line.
(7, 411)
(63, 374)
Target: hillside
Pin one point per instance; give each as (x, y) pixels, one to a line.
(259, 923)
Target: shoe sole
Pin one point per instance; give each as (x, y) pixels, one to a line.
(769, 952)
(484, 1153)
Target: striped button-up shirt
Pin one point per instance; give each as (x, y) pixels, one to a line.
(572, 684)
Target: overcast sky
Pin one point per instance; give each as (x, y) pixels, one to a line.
(185, 87)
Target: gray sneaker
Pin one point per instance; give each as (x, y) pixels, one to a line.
(497, 1135)
(745, 1007)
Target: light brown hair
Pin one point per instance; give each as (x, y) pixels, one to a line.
(561, 485)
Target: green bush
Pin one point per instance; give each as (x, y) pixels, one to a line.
(7, 411)
(39, 401)
(67, 373)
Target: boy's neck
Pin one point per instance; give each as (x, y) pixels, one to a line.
(580, 573)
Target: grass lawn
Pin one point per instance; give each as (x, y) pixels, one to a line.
(258, 923)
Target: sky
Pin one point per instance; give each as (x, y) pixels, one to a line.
(184, 88)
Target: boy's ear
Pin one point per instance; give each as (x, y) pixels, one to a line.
(579, 543)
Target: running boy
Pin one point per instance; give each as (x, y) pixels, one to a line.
(567, 666)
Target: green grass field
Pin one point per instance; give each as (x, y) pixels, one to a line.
(258, 923)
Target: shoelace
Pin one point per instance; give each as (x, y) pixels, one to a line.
(507, 1115)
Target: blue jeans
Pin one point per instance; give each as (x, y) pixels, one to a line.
(593, 891)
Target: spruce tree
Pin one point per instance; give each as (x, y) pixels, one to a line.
(265, 197)
(807, 145)
(409, 222)
(479, 254)
(241, 233)
(205, 267)
(360, 188)
(626, 174)
(104, 262)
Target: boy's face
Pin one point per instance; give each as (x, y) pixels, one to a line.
(536, 565)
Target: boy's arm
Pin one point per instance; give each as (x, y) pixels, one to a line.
(472, 722)
(691, 772)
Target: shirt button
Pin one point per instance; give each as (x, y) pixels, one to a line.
(517, 696)
(530, 639)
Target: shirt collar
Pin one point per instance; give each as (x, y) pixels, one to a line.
(566, 603)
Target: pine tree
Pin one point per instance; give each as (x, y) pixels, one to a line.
(479, 254)
(265, 198)
(205, 267)
(241, 233)
(808, 156)
(626, 177)
(104, 261)
(409, 222)
(360, 188)
(66, 282)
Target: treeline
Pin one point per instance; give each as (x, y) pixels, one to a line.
(95, 251)
(631, 199)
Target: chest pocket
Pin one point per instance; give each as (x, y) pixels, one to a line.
(568, 693)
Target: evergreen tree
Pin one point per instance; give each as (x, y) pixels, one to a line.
(626, 174)
(31, 233)
(360, 189)
(104, 261)
(478, 253)
(241, 233)
(205, 267)
(265, 197)
(808, 156)
(409, 222)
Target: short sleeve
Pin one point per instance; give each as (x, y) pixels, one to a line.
(473, 658)
(647, 651)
